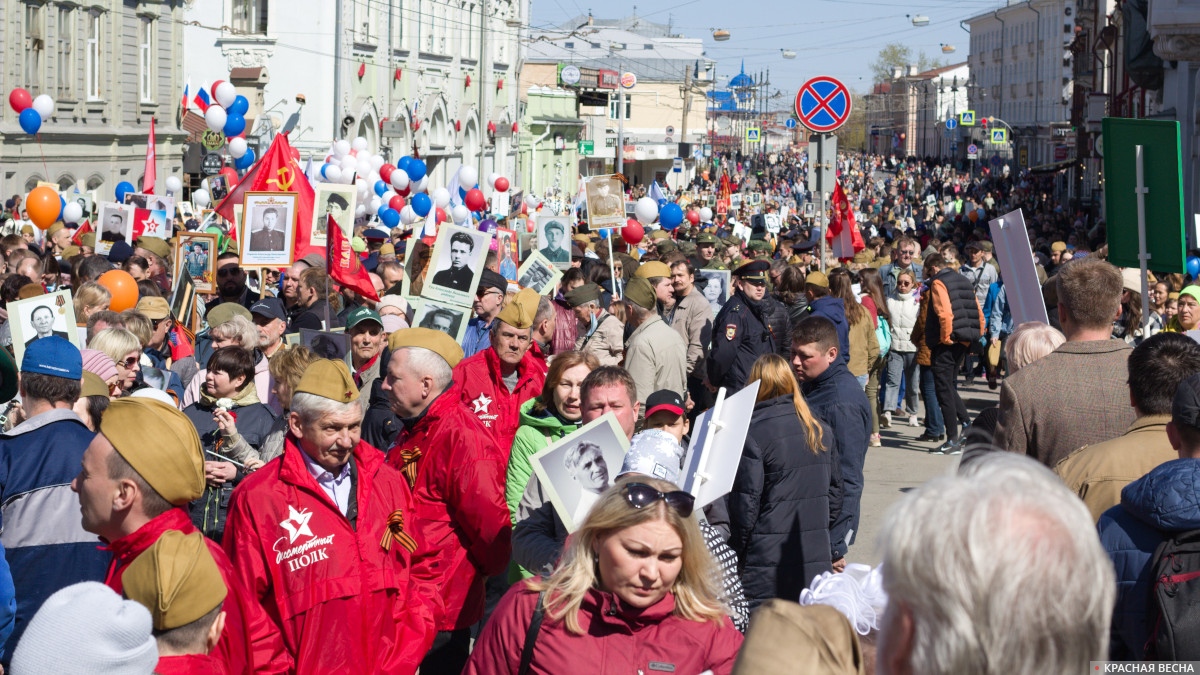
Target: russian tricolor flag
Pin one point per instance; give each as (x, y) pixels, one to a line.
(201, 100)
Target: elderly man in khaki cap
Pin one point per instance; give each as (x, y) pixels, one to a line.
(655, 355)
(457, 474)
(325, 536)
(138, 475)
(600, 333)
(180, 583)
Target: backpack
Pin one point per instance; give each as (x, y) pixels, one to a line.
(883, 333)
(1176, 599)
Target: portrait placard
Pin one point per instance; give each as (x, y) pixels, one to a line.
(456, 265)
(269, 220)
(332, 199)
(574, 471)
(447, 318)
(539, 274)
(506, 253)
(196, 257)
(326, 344)
(115, 223)
(715, 287)
(554, 240)
(41, 316)
(605, 196)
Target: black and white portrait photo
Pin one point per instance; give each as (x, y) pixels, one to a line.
(715, 287)
(449, 319)
(267, 231)
(40, 317)
(577, 469)
(326, 344)
(554, 240)
(332, 200)
(457, 264)
(115, 223)
(605, 197)
(539, 274)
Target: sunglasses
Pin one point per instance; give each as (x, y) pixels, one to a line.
(640, 495)
(128, 363)
(228, 271)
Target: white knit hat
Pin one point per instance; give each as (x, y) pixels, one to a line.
(654, 453)
(87, 628)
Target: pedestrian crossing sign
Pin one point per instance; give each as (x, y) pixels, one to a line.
(999, 136)
(752, 134)
(967, 118)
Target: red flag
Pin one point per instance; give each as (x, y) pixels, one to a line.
(344, 265)
(86, 227)
(844, 238)
(148, 181)
(278, 171)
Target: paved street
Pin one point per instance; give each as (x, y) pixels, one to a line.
(902, 464)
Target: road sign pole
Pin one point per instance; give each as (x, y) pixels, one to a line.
(1141, 191)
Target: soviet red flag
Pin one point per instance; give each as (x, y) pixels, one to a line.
(344, 265)
(843, 236)
(279, 170)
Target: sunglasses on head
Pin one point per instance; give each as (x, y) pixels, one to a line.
(640, 495)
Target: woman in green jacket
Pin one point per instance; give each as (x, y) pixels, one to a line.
(547, 418)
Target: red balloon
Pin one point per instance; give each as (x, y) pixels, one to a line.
(501, 184)
(693, 217)
(529, 225)
(19, 99)
(632, 233)
(405, 191)
(396, 202)
(385, 172)
(441, 215)
(213, 90)
(475, 200)
(231, 177)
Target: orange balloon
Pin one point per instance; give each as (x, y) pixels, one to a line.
(123, 287)
(43, 206)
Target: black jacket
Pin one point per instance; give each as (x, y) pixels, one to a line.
(779, 509)
(964, 307)
(380, 425)
(314, 318)
(741, 334)
(779, 324)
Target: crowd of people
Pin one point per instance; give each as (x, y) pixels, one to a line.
(229, 500)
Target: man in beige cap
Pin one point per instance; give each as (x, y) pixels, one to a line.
(156, 251)
(457, 473)
(325, 535)
(496, 381)
(659, 276)
(654, 353)
(180, 583)
(132, 490)
(600, 333)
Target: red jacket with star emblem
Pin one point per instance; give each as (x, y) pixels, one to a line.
(250, 644)
(461, 513)
(480, 386)
(343, 602)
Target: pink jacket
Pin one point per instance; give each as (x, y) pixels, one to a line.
(615, 640)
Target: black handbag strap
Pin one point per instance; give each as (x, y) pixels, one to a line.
(531, 634)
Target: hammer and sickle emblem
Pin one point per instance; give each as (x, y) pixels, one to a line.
(285, 180)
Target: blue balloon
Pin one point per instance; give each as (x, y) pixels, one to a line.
(122, 189)
(421, 203)
(240, 106)
(30, 120)
(324, 168)
(670, 216)
(415, 170)
(403, 163)
(245, 161)
(603, 233)
(389, 217)
(234, 125)
(62, 204)
(380, 188)
(1193, 267)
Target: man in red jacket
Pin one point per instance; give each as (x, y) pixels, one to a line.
(457, 474)
(143, 466)
(496, 381)
(325, 536)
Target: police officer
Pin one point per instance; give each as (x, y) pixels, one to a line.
(740, 331)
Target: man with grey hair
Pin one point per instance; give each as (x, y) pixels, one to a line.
(599, 333)
(456, 472)
(1020, 583)
(542, 332)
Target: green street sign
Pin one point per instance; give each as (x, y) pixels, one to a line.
(587, 147)
(1162, 178)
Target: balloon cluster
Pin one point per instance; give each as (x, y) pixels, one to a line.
(31, 112)
(228, 116)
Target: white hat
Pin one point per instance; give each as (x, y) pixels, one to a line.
(393, 323)
(393, 301)
(654, 453)
(87, 628)
(156, 394)
(1131, 279)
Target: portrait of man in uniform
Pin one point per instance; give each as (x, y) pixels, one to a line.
(268, 236)
(552, 236)
(605, 202)
(458, 275)
(456, 265)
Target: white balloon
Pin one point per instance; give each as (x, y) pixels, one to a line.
(204, 184)
(441, 197)
(174, 184)
(363, 167)
(376, 161)
(646, 210)
(374, 204)
(72, 212)
(44, 105)
(421, 185)
(491, 179)
(407, 215)
(359, 144)
(362, 189)
(460, 213)
(237, 147)
(333, 173)
(373, 178)
(341, 148)
(531, 200)
(360, 210)
(215, 118)
(399, 179)
(468, 177)
(200, 198)
(706, 214)
(349, 177)
(225, 94)
(349, 164)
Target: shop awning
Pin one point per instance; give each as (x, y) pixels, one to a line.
(1053, 166)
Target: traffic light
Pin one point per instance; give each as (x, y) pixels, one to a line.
(983, 122)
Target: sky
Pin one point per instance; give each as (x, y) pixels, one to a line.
(838, 38)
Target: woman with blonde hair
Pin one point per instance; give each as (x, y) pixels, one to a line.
(124, 348)
(635, 585)
(780, 511)
(89, 298)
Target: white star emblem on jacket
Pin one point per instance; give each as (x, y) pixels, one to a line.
(300, 518)
(481, 404)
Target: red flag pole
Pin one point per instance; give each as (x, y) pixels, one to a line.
(148, 180)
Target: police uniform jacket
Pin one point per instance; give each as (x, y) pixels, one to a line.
(740, 336)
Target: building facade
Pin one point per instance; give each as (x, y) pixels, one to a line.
(110, 67)
(436, 78)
